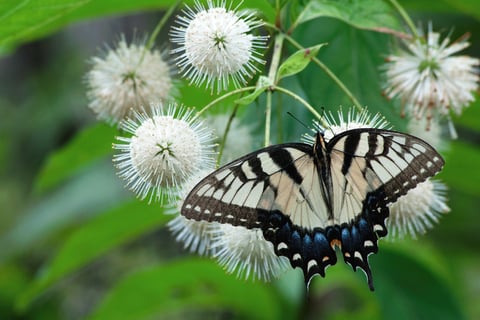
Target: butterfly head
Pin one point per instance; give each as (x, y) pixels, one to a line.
(320, 145)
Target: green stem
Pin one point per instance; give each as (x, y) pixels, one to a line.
(225, 134)
(268, 118)
(405, 17)
(223, 97)
(158, 28)
(305, 103)
(277, 54)
(272, 76)
(330, 73)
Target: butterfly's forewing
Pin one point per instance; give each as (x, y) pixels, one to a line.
(373, 160)
(233, 193)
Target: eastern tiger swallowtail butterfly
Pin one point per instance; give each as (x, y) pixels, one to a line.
(307, 199)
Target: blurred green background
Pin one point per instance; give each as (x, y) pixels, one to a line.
(75, 244)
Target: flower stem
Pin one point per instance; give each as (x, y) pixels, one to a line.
(225, 134)
(272, 76)
(268, 118)
(161, 23)
(223, 97)
(304, 102)
(330, 73)
(158, 28)
(405, 17)
(277, 53)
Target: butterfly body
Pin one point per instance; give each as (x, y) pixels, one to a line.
(310, 199)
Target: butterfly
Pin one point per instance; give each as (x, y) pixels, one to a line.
(309, 199)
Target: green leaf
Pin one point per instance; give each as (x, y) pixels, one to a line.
(89, 145)
(105, 232)
(87, 194)
(462, 161)
(364, 14)
(455, 7)
(469, 119)
(298, 61)
(23, 21)
(191, 285)
(262, 84)
(407, 288)
(355, 57)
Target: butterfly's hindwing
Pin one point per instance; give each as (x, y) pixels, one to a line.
(308, 200)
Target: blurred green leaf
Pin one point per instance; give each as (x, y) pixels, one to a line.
(364, 14)
(462, 159)
(467, 7)
(189, 285)
(84, 196)
(470, 117)
(407, 288)
(89, 145)
(22, 21)
(105, 232)
(298, 61)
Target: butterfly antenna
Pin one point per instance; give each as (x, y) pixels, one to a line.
(299, 121)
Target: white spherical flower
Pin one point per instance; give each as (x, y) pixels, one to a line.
(248, 253)
(239, 140)
(196, 236)
(418, 210)
(215, 45)
(430, 79)
(166, 147)
(353, 119)
(127, 78)
(431, 132)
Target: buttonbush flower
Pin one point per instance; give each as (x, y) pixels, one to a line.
(430, 79)
(196, 236)
(418, 210)
(125, 79)
(353, 119)
(164, 149)
(215, 45)
(246, 252)
(432, 135)
(239, 138)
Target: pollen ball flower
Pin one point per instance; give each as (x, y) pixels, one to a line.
(196, 236)
(128, 78)
(215, 45)
(164, 150)
(418, 210)
(353, 119)
(239, 138)
(430, 79)
(248, 253)
(433, 135)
